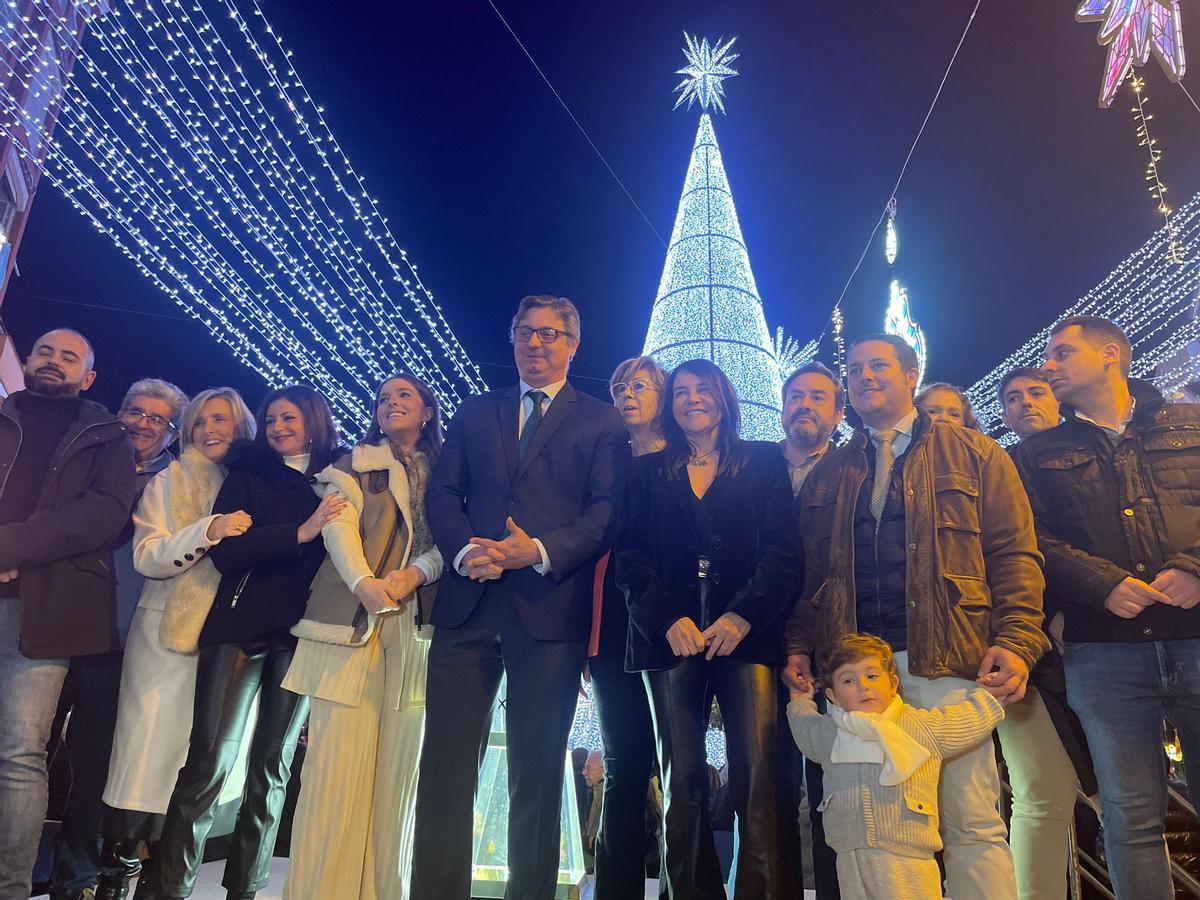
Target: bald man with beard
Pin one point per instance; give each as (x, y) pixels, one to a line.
(66, 486)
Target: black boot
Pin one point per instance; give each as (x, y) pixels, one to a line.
(120, 861)
(112, 887)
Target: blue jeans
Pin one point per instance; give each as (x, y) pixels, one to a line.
(29, 690)
(1122, 693)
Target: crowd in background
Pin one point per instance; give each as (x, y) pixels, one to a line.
(197, 584)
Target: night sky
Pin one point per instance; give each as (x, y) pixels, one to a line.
(1022, 195)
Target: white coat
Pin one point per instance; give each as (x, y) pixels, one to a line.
(158, 686)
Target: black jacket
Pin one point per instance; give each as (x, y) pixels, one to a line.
(1107, 512)
(266, 572)
(563, 493)
(754, 555)
(67, 588)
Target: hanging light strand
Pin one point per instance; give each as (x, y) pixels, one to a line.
(187, 154)
(1151, 297)
(1157, 189)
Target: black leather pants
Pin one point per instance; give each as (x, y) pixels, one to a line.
(627, 733)
(746, 693)
(227, 679)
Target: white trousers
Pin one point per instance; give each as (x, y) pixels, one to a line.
(880, 875)
(979, 863)
(353, 832)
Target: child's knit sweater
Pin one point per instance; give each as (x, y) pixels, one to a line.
(859, 812)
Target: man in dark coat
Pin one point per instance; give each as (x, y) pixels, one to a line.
(66, 488)
(814, 405)
(521, 504)
(1115, 491)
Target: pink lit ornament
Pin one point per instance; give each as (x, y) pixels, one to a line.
(1133, 29)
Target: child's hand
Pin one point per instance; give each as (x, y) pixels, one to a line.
(799, 686)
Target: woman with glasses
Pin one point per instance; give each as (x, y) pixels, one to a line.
(708, 554)
(361, 658)
(150, 413)
(174, 530)
(266, 563)
(626, 730)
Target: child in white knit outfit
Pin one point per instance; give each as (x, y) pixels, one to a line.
(882, 759)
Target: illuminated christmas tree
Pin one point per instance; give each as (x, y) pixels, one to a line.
(708, 304)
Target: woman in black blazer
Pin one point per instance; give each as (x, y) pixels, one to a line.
(246, 645)
(708, 554)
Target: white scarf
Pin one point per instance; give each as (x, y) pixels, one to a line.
(864, 737)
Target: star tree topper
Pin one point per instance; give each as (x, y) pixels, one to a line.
(708, 66)
(1133, 29)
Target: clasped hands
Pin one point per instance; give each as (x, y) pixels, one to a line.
(487, 559)
(720, 638)
(391, 593)
(1173, 587)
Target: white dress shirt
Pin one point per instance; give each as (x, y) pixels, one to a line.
(904, 429)
(524, 411)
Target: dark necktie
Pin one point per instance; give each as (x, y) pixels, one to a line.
(531, 423)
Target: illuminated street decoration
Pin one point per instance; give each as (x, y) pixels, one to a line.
(707, 67)
(1132, 30)
(1151, 297)
(898, 319)
(187, 137)
(708, 305)
(790, 354)
(1154, 184)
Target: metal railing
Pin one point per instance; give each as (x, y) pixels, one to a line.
(1083, 867)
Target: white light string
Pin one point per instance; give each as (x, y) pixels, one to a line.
(166, 227)
(196, 181)
(1151, 297)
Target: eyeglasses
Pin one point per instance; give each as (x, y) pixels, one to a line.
(523, 334)
(638, 387)
(132, 415)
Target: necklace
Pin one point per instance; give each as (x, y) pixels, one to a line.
(702, 459)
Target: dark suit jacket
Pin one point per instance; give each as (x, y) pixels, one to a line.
(754, 551)
(564, 494)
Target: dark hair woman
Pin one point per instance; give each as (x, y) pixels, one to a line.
(708, 555)
(361, 658)
(245, 645)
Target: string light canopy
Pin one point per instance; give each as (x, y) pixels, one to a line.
(1133, 30)
(708, 305)
(1151, 297)
(187, 137)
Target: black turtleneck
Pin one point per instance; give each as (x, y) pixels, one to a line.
(44, 421)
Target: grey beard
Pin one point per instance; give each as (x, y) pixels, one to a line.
(808, 434)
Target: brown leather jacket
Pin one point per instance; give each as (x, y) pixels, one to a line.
(973, 576)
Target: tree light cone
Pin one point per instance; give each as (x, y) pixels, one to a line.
(708, 304)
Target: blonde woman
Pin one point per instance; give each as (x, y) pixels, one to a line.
(174, 529)
(361, 659)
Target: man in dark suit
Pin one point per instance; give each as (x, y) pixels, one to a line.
(521, 504)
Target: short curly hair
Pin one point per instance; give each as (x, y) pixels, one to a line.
(852, 648)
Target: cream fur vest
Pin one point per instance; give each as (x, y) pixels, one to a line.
(376, 486)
